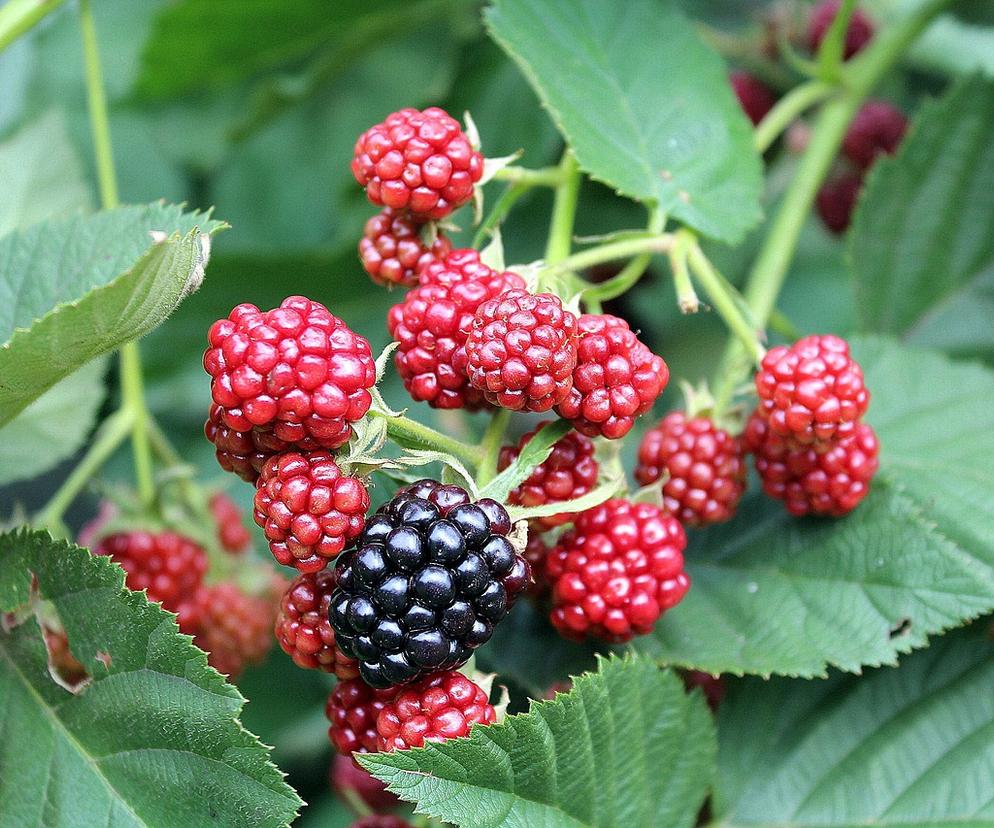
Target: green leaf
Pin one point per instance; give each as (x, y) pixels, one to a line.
(646, 107)
(153, 739)
(908, 748)
(922, 246)
(74, 289)
(775, 594)
(593, 757)
(42, 176)
(54, 426)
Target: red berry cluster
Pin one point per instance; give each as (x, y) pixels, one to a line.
(303, 629)
(858, 33)
(231, 532)
(811, 448)
(876, 130)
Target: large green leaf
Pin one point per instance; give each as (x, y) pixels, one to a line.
(626, 747)
(74, 289)
(152, 740)
(906, 748)
(644, 104)
(775, 594)
(922, 246)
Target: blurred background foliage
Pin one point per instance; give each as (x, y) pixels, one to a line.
(253, 107)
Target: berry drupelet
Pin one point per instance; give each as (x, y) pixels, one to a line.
(303, 629)
(352, 708)
(421, 161)
(432, 323)
(812, 392)
(521, 351)
(831, 482)
(704, 465)
(308, 508)
(616, 378)
(570, 471)
(169, 566)
(391, 249)
(241, 452)
(836, 200)
(755, 97)
(426, 582)
(296, 372)
(616, 571)
(876, 130)
(439, 707)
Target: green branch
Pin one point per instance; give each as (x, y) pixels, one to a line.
(20, 16)
(411, 434)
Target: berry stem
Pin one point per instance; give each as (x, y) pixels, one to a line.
(788, 109)
(769, 270)
(544, 177)
(20, 16)
(564, 210)
(833, 44)
(633, 271)
(722, 298)
(493, 437)
(112, 432)
(501, 208)
(132, 391)
(686, 296)
(411, 434)
(649, 243)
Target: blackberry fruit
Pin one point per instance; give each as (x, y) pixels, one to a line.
(303, 629)
(391, 249)
(426, 582)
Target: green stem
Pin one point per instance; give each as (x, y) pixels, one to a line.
(111, 434)
(608, 253)
(787, 110)
(723, 302)
(407, 432)
(544, 177)
(833, 44)
(500, 210)
(133, 396)
(769, 270)
(781, 324)
(355, 801)
(493, 438)
(628, 277)
(20, 16)
(564, 210)
(686, 296)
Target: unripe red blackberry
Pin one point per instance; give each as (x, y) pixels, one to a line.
(345, 775)
(831, 482)
(439, 707)
(812, 392)
(535, 553)
(859, 33)
(616, 571)
(836, 200)
(876, 130)
(380, 821)
(616, 378)
(241, 452)
(568, 473)
(713, 687)
(308, 508)
(352, 708)
(391, 249)
(296, 371)
(427, 581)
(235, 628)
(303, 629)
(704, 465)
(419, 161)
(432, 323)
(521, 351)
(755, 97)
(231, 532)
(168, 566)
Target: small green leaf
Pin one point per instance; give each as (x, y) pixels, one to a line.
(153, 739)
(922, 245)
(775, 594)
(74, 289)
(535, 452)
(54, 426)
(646, 107)
(907, 748)
(596, 756)
(605, 490)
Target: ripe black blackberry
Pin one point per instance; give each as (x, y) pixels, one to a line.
(426, 582)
